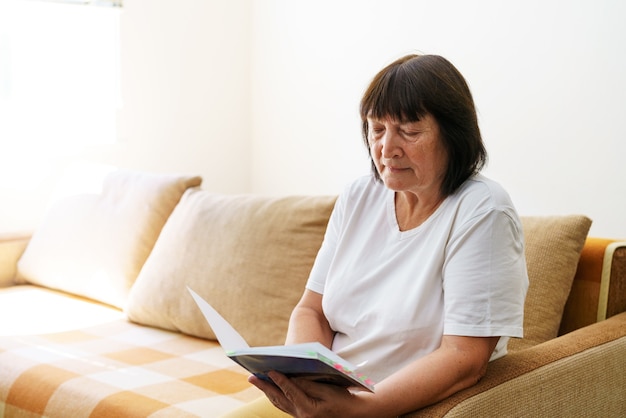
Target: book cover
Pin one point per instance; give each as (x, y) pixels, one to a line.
(310, 360)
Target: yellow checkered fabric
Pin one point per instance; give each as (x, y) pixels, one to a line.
(118, 369)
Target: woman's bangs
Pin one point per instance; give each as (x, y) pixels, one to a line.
(395, 98)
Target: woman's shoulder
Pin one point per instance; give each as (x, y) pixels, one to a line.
(364, 185)
(482, 181)
(364, 191)
(481, 198)
(480, 191)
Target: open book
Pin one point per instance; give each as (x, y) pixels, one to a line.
(311, 360)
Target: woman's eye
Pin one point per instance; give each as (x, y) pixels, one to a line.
(377, 130)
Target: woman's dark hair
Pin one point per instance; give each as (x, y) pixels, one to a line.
(416, 85)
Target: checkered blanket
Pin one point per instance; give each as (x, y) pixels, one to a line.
(118, 369)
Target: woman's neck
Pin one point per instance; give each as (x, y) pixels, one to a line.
(413, 210)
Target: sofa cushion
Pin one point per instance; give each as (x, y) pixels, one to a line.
(118, 369)
(248, 256)
(553, 246)
(94, 245)
(55, 311)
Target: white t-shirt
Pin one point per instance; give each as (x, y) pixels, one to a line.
(391, 295)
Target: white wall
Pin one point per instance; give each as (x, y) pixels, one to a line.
(548, 78)
(262, 96)
(186, 90)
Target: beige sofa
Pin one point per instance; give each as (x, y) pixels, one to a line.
(96, 321)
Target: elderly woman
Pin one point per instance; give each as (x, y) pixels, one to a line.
(422, 271)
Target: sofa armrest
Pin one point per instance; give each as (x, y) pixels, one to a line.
(579, 371)
(599, 288)
(11, 248)
(612, 297)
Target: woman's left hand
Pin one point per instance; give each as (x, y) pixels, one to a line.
(301, 397)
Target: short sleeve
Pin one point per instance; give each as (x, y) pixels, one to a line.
(326, 253)
(484, 276)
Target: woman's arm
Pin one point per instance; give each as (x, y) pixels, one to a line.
(457, 364)
(308, 323)
(460, 362)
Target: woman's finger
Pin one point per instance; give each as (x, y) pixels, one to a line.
(273, 393)
(290, 390)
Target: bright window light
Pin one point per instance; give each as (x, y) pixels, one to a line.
(59, 81)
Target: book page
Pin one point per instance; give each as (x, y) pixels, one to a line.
(227, 336)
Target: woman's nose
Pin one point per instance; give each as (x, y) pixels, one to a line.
(390, 145)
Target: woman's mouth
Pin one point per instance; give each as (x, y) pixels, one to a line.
(395, 170)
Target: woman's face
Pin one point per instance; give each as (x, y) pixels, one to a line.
(409, 156)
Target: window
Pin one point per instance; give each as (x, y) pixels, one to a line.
(59, 82)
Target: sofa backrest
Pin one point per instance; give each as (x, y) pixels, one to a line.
(553, 248)
(12, 247)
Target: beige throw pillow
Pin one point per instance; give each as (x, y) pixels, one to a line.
(248, 256)
(94, 245)
(553, 246)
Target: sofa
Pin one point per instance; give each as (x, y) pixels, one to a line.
(96, 320)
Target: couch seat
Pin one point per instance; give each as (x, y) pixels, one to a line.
(111, 367)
